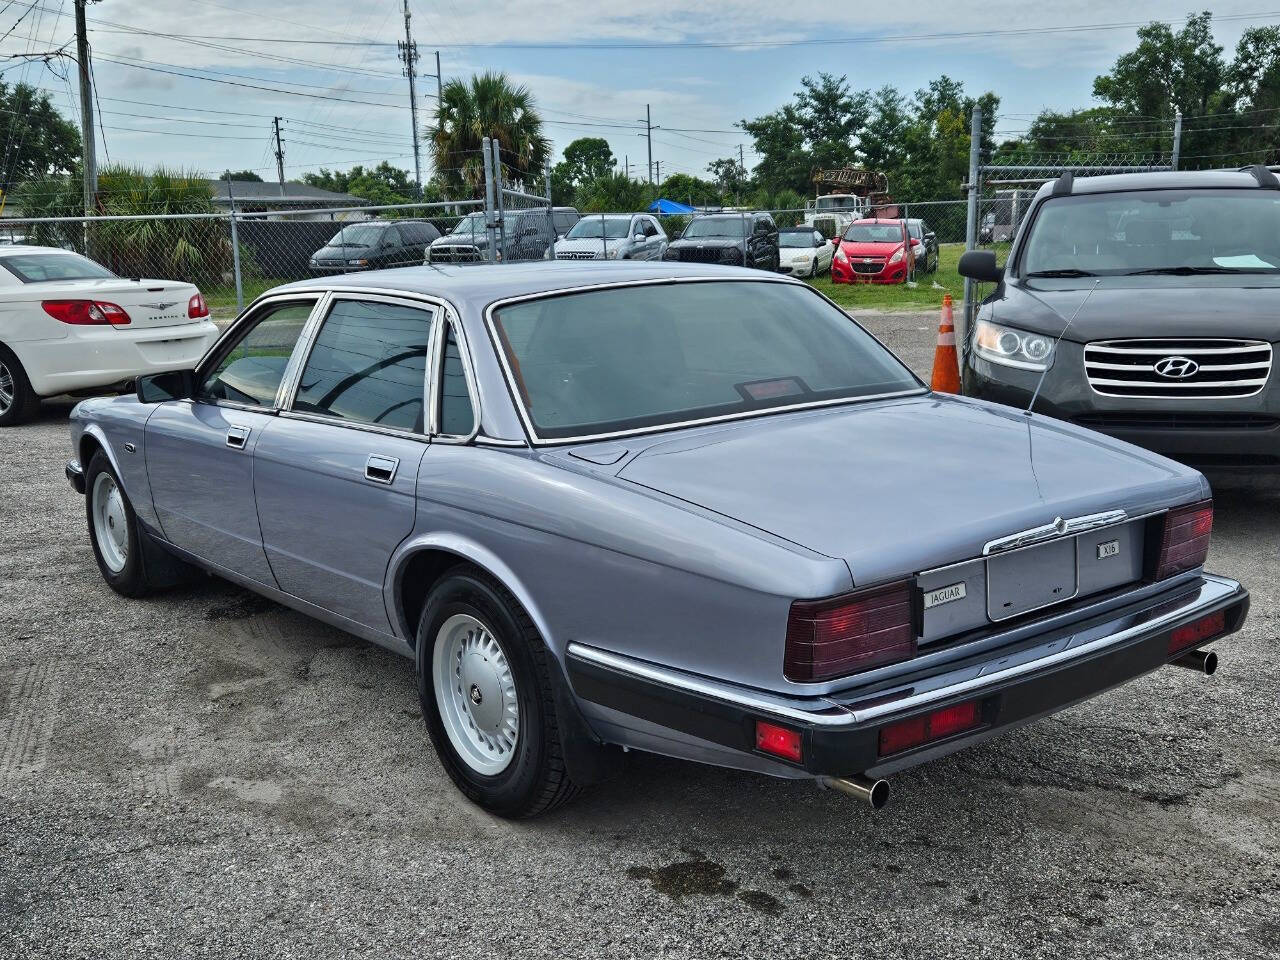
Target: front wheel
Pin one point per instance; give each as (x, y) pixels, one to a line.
(487, 699)
(113, 529)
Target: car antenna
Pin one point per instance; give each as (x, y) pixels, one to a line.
(1054, 352)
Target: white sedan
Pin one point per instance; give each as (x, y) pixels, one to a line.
(69, 325)
(804, 252)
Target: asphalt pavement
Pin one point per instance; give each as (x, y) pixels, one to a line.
(204, 773)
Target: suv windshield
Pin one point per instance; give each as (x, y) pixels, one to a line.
(38, 267)
(359, 235)
(874, 233)
(611, 228)
(472, 224)
(1156, 231)
(632, 358)
(735, 227)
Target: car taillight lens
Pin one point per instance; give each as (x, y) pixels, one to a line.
(85, 313)
(197, 308)
(779, 741)
(1198, 631)
(1185, 543)
(938, 725)
(843, 635)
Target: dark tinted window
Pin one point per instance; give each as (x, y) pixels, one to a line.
(36, 267)
(369, 365)
(633, 357)
(456, 415)
(252, 370)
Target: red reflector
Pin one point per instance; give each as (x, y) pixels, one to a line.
(932, 726)
(86, 313)
(1189, 634)
(1185, 543)
(832, 638)
(779, 741)
(197, 308)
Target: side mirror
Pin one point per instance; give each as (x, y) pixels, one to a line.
(980, 265)
(638, 238)
(170, 385)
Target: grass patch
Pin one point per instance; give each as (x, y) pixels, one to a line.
(222, 300)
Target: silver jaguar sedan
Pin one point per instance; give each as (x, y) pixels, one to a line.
(696, 511)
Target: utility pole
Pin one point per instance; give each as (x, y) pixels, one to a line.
(1177, 139)
(742, 163)
(86, 111)
(657, 172)
(275, 126)
(409, 54)
(974, 188)
(648, 135)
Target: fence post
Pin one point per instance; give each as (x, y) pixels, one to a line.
(235, 251)
(971, 225)
(551, 220)
(491, 228)
(744, 239)
(497, 189)
(1177, 139)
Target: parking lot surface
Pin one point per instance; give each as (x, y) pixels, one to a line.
(204, 773)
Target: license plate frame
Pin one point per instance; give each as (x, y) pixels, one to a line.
(1023, 581)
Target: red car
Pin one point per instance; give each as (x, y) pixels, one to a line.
(873, 251)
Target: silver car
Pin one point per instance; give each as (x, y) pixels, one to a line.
(612, 236)
(677, 508)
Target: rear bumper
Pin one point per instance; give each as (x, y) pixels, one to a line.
(841, 732)
(96, 357)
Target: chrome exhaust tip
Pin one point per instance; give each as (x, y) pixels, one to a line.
(1202, 661)
(875, 793)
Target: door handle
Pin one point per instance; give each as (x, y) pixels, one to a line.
(381, 469)
(237, 437)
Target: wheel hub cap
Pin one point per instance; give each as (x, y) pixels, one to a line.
(111, 531)
(476, 694)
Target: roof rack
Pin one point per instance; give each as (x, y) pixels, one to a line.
(1062, 186)
(1266, 179)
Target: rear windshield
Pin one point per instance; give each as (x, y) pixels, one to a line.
(38, 267)
(631, 358)
(796, 238)
(874, 233)
(1156, 231)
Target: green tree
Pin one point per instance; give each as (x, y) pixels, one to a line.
(784, 160)
(487, 105)
(729, 176)
(588, 158)
(41, 142)
(245, 176)
(614, 192)
(880, 145)
(831, 118)
(696, 192)
(1167, 71)
(381, 185)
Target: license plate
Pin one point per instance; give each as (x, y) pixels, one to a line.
(1024, 580)
(1109, 549)
(954, 591)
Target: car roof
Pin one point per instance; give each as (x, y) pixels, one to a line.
(478, 285)
(1158, 180)
(11, 249)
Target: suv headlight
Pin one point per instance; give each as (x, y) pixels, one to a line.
(1013, 348)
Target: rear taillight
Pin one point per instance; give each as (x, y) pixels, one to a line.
(1185, 543)
(1198, 631)
(843, 635)
(86, 313)
(938, 725)
(197, 308)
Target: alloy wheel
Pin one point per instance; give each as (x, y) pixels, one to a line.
(476, 694)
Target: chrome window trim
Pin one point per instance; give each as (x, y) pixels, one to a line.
(308, 341)
(537, 441)
(468, 374)
(215, 354)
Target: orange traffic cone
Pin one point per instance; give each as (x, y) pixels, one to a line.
(946, 367)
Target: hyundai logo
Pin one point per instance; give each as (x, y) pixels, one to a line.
(1177, 368)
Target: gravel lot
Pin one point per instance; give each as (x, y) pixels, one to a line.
(207, 774)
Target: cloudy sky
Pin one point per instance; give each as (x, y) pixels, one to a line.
(701, 67)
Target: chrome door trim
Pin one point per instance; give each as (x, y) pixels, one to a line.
(468, 373)
(332, 421)
(1059, 528)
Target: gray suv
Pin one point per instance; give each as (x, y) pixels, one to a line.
(525, 235)
(613, 236)
(1146, 303)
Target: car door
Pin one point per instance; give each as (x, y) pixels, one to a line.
(824, 251)
(655, 241)
(335, 474)
(199, 452)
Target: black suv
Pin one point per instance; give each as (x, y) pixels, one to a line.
(1147, 304)
(374, 244)
(742, 239)
(525, 235)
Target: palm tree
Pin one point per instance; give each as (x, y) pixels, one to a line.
(487, 105)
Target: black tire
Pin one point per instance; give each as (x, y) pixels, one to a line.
(536, 779)
(131, 580)
(24, 403)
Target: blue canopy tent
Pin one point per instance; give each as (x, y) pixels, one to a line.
(663, 205)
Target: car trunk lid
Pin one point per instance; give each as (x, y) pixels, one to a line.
(149, 303)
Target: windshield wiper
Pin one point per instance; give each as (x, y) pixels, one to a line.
(1064, 272)
(1185, 271)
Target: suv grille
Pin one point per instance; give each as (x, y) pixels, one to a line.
(1178, 368)
(709, 255)
(577, 255)
(452, 254)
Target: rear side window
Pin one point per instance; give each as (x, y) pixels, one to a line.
(457, 418)
(251, 371)
(38, 267)
(368, 365)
